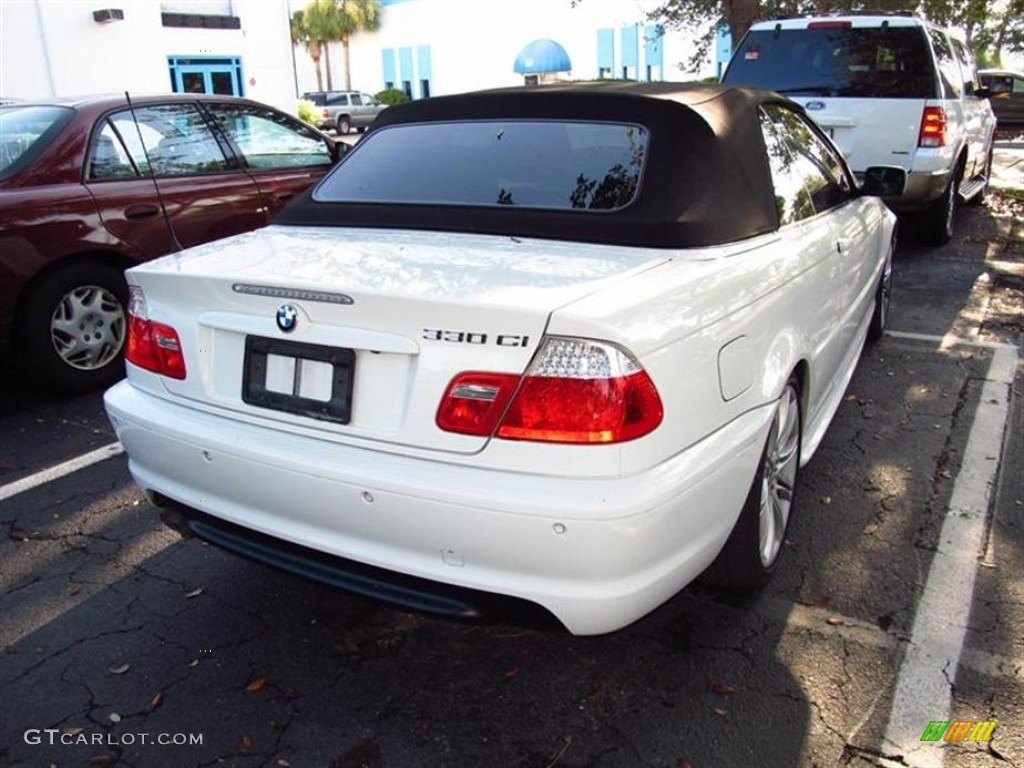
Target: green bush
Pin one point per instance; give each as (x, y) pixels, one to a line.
(307, 112)
(391, 96)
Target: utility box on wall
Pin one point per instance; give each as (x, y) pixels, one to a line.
(108, 15)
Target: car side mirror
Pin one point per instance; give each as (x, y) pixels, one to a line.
(338, 149)
(984, 92)
(884, 181)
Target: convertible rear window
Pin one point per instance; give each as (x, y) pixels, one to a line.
(532, 164)
(26, 130)
(865, 62)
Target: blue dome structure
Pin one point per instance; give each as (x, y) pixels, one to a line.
(542, 56)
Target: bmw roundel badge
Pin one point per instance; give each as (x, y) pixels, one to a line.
(287, 317)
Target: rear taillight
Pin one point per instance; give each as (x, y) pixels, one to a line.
(933, 128)
(575, 391)
(325, 114)
(151, 345)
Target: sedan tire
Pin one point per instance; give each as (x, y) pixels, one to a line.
(72, 328)
(751, 552)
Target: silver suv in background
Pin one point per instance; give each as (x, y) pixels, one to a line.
(345, 110)
(889, 90)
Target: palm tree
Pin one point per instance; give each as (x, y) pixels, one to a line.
(314, 26)
(355, 16)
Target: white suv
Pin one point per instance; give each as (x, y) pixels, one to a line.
(889, 90)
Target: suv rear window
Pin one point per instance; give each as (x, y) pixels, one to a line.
(865, 62)
(532, 164)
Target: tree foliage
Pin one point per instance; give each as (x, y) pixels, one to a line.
(992, 28)
(324, 21)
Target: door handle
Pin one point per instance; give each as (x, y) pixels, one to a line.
(284, 197)
(141, 211)
(843, 244)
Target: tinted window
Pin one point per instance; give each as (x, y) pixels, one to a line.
(337, 99)
(357, 100)
(949, 70)
(175, 139)
(816, 161)
(968, 70)
(845, 61)
(792, 202)
(25, 131)
(593, 166)
(268, 139)
(108, 157)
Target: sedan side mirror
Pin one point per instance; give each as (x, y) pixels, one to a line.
(338, 148)
(884, 181)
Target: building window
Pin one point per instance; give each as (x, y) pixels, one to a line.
(389, 84)
(407, 87)
(604, 73)
(206, 74)
(425, 89)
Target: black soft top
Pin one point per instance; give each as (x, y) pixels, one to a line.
(706, 180)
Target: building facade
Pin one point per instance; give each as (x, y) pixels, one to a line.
(243, 47)
(435, 47)
(70, 47)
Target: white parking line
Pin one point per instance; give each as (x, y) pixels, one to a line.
(924, 685)
(949, 340)
(60, 470)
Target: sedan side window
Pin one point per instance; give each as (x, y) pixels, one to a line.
(792, 203)
(108, 157)
(817, 162)
(268, 139)
(175, 139)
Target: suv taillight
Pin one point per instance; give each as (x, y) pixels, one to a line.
(575, 391)
(933, 128)
(151, 345)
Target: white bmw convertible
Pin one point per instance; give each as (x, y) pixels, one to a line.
(555, 351)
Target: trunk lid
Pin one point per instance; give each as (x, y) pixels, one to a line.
(414, 309)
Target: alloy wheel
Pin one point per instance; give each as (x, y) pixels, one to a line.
(779, 476)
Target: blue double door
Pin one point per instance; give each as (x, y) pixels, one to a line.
(207, 75)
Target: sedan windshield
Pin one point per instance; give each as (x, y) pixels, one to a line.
(25, 130)
(532, 164)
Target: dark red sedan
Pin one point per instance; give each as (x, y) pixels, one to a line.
(89, 187)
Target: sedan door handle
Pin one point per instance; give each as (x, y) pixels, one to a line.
(283, 197)
(141, 211)
(843, 245)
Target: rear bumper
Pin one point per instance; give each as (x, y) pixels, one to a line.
(595, 553)
(923, 189)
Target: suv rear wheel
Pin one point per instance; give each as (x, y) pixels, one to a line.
(344, 125)
(938, 221)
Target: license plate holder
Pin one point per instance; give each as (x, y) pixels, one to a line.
(259, 351)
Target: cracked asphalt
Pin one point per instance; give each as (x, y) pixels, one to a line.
(124, 645)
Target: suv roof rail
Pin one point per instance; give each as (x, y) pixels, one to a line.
(785, 16)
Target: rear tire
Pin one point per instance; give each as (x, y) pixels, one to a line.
(883, 296)
(938, 222)
(72, 328)
(751, 553)
(344, 125)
